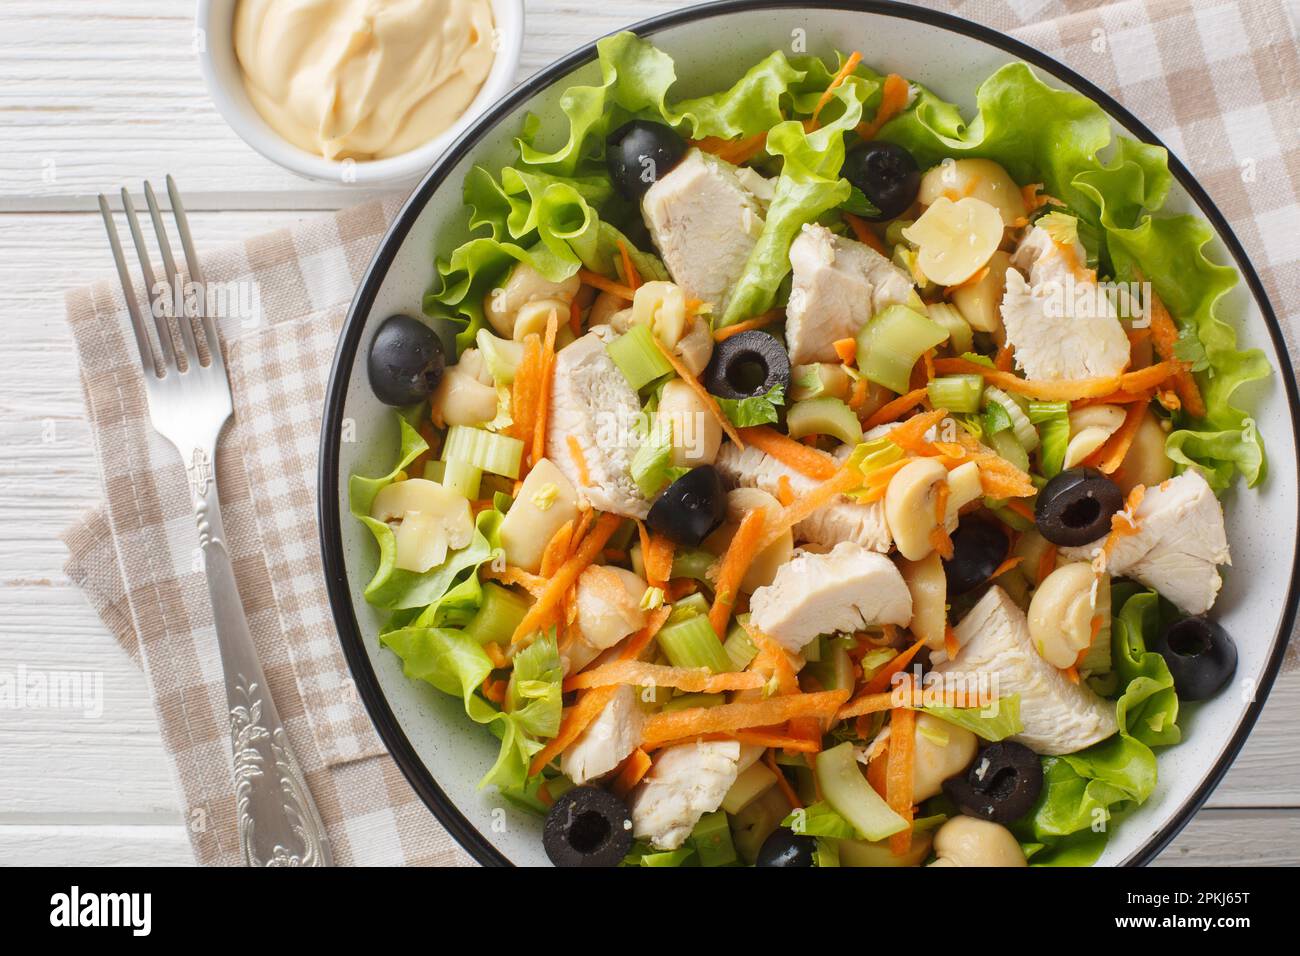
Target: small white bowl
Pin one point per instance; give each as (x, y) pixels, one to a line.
(224, 79)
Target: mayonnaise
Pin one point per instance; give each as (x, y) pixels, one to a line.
(363, 79)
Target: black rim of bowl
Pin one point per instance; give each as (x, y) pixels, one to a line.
(417, 774)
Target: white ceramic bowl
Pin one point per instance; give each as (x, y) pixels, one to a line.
(224, 79)
(441, 752)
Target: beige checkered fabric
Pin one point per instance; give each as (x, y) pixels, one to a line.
(1214, 80)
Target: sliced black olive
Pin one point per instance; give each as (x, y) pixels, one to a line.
(747, 365)
(887, 175)
(640, 153)
(978, 547)
(786, 848)
(1002, 784)
(1201, 656)
(1076, 507)
(406, 361)
(587, 827)
(691, 508)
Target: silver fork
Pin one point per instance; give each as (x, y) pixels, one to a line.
(189, 404)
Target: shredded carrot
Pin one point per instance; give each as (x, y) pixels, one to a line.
(557, 549)
(773, 660)
(880, 681)
(589, 705)
(740, 554)
(1007, 565)
(910, 435)
(791, 797)
(598, 281)
(527, 389)
(846, 349)
(845, 480)
(939, 539)
(631, 772)
(807, 461)
(877, 483)
(630, 275)
(579, 460)
(975, 278)
(544, 398)
(566, 576)
(858, 398)
(758, 738)
(581, 302)
(735, 151)
(1071, 674)
(534, 584)
(1019, 507)
(681, 724)
(586, 518)
(893, 100)
(784, 491)
(878, 769)
(693, 383)
(496, 655)
(1005, 360)
(749, 325)
(1035, 198)
(494, 690)
(898, 779)
(1123, 523)
(658, 559)
(864, 233)
(430, 437)
(1164, 336)
(844, 73)
(865, 704)
(951, 645)
(694, 680)
(1046, 562)
(1110, 456)
(896, 409)
(1139, 380)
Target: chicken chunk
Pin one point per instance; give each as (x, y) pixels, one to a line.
(1059, 717)
(838, 285)
(705, 223)
(607, 741)
(843, 591)
(592, 402)
(686, 782)
(1061, 326)
(1178, 546)
(843, 520)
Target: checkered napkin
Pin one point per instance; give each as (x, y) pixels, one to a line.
(1214, 81)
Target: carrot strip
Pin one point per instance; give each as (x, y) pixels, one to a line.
(893, 100)
(865, 704)
(740, 554)
(769, 758)
(630, 274)
(534, 584)
(758, 738)
(772, 658)
(805, 460)
(633, 770)
(910, 435)
(846, 349)
(898, 778)
(881, 679)
(844, 72)
(494, 690)
(784, 491)
(1164, 336)
(657, 555)
(1110, 456)
(709, 401)
(939, 539)
(579, 460)
(588, 707)
(566, 576)
(544, 398)
(581, 301)
(864, 234)
(951, 646)
(1019, 507)
(557, 549)
(896, 409)
(844, 481)
(1046, 562)
(681, 724)
(496, 655)
(598, 281)
(1005, 360)
(526, 390)
(749, 325)
(1007, 565)
(734, 151)
(694, 680)
(1139, 380)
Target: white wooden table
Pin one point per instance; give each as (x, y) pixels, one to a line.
(96, 95)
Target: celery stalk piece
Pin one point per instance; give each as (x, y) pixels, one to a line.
(749, 786)
(892, 342)
(957, 393)
(1008, 446)
(688, 701)
(960, 335)
(756, 822)
(434, 470)
(637, 357)
(1024, 428)
(739, 646)
(712, 840)
(865, 853)
(501, 356)
(1053, 422)
(498, 616)
(824, 416)
(499, 454)
(693, 563)
(812, 651)
(692, 643)
(462, 477)
(693, 605)
(845, 789)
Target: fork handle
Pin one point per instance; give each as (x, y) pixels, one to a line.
(278, 821)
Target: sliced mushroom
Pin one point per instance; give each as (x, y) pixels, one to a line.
(979, 302)
(696, 434)
(929, 586)
(525, 284)
(942, 750)
(1061, 614)
(546, 500)
(910, 506)
(966, 841)
(1090, 427)
(428, 520)
(981, 178)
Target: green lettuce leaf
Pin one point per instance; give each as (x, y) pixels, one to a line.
(998, 722)
(820, 820)
(758, 410)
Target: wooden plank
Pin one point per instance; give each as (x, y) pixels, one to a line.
(1237, 838)
(71, 845)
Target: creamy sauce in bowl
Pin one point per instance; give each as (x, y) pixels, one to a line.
(363, 79)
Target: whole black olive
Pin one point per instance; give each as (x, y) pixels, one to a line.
(1076, 507)
(1002, 784)
(691, 508)
(1201, 656)
(587, 827)
(747, 365)
(406, 361)
(786, 848)
(978, 547)
(639, 154)
(887, 175)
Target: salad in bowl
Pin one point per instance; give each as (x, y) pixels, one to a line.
(804, 475)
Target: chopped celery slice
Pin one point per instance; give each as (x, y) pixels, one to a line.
(693, 563)
(866, 853)
(693, 605)
(501, 356)
(462, 477)
(1008, 517)
(960, 334)
(1053, 421)
(502, 501)
(749, 786)
(812, 651)
(499, 454)
(1008, 446)
(1024, 428)
(498, 616)
(712, 840)
(434, 470)
(845, 789)
(687, 701)
(892, 342)
(739, 646)
(692, 643)
(835, 669)
(875, 454)
(824, 416)
(638, 357)
(957, 393)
